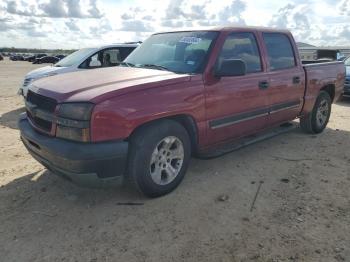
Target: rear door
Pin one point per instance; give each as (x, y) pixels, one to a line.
(237, 106)
(286, 78)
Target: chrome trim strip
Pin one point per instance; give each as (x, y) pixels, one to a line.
(282, 109)
(239, 121)
(246, 116)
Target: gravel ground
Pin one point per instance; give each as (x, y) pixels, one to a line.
(302, 211)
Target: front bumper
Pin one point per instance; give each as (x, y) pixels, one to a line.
(87, 164)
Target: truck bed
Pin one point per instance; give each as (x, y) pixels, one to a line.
(320, 75)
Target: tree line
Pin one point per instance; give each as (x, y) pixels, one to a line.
(34, 50)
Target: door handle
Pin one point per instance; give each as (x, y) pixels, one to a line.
(263, 84)
(296, 80)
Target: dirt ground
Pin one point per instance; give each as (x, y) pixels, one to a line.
(302, 212)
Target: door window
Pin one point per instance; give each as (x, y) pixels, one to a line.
(111, 57)
(242, 46)
(279, 50)
(107, 58)
(94, 61)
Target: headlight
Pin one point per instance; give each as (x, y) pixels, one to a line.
(27, 81)
(73, 121)
(76, 111)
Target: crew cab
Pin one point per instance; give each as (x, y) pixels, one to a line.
(179, 94)
(85, 58)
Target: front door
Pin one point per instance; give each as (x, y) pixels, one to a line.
(238, 106)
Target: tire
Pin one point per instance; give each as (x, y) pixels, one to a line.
(316, 121)
(158, 158)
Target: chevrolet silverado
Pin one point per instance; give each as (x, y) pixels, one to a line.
(179, 94)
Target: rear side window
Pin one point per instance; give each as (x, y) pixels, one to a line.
(242, 46)
(113, 55)
(279, 50)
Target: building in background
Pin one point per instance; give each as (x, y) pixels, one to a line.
(310, 52)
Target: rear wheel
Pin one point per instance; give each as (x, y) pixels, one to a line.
(159, 157)
(317, 120)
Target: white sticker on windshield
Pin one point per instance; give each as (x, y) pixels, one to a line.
(190, 40)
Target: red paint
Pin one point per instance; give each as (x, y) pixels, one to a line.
(126, 98)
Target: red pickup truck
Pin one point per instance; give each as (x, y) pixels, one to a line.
(178, 94)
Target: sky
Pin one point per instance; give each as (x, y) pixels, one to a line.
(73, 24)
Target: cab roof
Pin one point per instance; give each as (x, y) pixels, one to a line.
(230, 28)
(117, 45)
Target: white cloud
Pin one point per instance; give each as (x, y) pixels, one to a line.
(94, 11)
(344, 7)
(136, 26)
(54, 8)
(72, 25)
(233, 13)
(77, 23)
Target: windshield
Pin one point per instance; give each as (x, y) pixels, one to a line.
(347, 61)
(179, 52)
(74, 58)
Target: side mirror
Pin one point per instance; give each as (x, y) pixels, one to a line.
(94, 63)
(231, 67)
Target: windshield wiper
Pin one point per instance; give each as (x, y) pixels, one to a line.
(126, 64)
(154, 66)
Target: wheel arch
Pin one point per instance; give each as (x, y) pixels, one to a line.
(330, 89)
(187, 121)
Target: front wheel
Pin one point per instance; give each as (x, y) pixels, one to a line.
(159, 157)
(317, 120)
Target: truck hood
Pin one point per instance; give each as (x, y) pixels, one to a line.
(44, 71)
(100, 84)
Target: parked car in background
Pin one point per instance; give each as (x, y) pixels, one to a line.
(86, 58)
(1, 58)
(37, 58)
(47, 59)
(342, 58)
(204, 92)
(16, 58)
(26, 58)
(347, 77)
(31, 58)
(60, 57)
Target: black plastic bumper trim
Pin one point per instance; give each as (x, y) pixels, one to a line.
(98, 160)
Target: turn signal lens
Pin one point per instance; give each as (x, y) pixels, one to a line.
(72, 133)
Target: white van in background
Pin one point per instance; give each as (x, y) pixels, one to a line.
(86, 58)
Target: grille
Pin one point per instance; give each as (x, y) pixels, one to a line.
(42, 102)
(41, 123)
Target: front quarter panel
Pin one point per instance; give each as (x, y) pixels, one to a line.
(118, 117)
